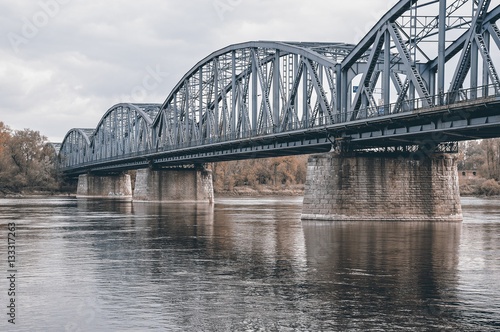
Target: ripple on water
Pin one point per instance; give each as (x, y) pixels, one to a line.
(249, 264)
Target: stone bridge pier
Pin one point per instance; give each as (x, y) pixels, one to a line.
(108, 185)
(174, 185)
(366, 186)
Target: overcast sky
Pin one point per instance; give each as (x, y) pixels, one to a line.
(63, 63)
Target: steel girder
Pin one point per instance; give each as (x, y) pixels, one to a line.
(422, 54)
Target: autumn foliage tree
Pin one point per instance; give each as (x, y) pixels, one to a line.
(482, 156)
(278, 171)
(27, 162)
(4, 137)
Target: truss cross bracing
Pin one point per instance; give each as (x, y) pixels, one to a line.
(401, 82)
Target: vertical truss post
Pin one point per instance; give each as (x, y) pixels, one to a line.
(186, 115)
(233, 95)
(473, 70)
(344, 92)
(200, 101)
(411, 95)
(413, 33)
(114, 129)
(129, 144)
(305, 104)
(176, 120)
(254, 92)
(103, 146)
(276, 91)
(296, 99)
(216, 100)
(386, 80)
(224, 110)
(108, 144)
(120, 132)
(340, 87)
(486, 71)
(319, 75)
(441, 50)
(99, 145)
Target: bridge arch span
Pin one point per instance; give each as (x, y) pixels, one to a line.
(123, 130)
(252, 89)
(75, 148)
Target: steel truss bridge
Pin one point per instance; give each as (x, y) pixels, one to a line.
(423, 75)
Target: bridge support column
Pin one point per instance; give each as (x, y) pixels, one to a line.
(382, 187)
(113, 186)
(174, 185)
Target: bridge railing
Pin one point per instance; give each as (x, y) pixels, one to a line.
(445, 99)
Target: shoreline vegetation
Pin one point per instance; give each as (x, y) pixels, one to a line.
(28, 168)
(471, 189)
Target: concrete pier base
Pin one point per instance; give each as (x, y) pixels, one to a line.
(112, 186)
(382, 187)
(174, 185)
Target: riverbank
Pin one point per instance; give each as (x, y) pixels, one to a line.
(33, 194)
(479, 187)
(469, 188)
(263, 190)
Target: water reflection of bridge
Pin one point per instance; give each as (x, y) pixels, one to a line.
(250, 253)
(394, 267)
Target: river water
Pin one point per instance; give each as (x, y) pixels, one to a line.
(245, 264)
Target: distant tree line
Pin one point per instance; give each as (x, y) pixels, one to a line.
(277, 172)
(27, 162)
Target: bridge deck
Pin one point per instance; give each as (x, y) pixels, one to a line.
(473, 119)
